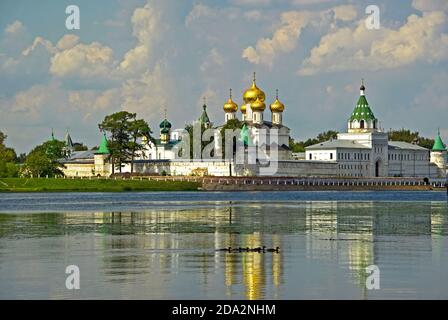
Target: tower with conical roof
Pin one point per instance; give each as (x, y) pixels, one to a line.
(204, 119)
(362, 118)
(68, 145)
(438, 155)
(102, 166)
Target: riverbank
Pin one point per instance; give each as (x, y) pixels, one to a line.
(186, 183)
(92, 185)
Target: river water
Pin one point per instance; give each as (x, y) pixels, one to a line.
(153, 245)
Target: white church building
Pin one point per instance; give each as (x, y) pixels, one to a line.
(365, 151)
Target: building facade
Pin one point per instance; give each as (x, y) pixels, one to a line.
(363, 151)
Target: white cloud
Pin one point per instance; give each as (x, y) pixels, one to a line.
(284, 39)
(148, 95)
(345, 12)
(83, 60)
(40, 42)
(68, 41)
(145, 22)
(419, 39)
(15, 28)
(286, 35)
(28, 105)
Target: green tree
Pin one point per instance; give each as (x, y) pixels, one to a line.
(43, 159)
(8, 157)
(125, 130)
(138, 129)
(117, 125)
(6, 154)
(78, 146)
(300, 146)
(406, 135)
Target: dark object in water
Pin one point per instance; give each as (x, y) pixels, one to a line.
(225, 249)
(273, 250)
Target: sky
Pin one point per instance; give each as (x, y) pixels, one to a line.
(146, 56)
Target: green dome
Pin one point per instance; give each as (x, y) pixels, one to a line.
(165, 131)
(165, 124)
(438, 144)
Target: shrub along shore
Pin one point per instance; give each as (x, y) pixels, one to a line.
(93, 185)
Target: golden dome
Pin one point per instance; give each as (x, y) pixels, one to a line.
(277, 106)
(230, 106)
(258, 105)
(253, 93)
(243, 108)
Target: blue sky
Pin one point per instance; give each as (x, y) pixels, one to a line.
(144, 56)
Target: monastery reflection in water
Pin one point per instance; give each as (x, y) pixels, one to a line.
(350, 233)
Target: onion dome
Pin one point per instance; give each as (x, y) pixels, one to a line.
(277, 106)
(243, 108)
(165, 124)
(253, 93)
(258, 105)
(230, 106)
(438, 144)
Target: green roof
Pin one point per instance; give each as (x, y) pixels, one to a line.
(438, 144)
(362, 110)
(103, 149)
(165, 124)
(204, 119)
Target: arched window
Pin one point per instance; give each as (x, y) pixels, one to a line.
(361, 124)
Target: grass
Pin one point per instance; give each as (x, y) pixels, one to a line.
(94, 185)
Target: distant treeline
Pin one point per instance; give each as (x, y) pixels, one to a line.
(394, 135)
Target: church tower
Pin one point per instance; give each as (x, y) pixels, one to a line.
(100, 158)
(438, 155)
(165, 128)
(254, 105)
(362, 118)
(68, 149)
(277, 109)
(204, 119)
(230, 108)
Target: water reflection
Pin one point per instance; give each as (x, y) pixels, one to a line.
(157, 247)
